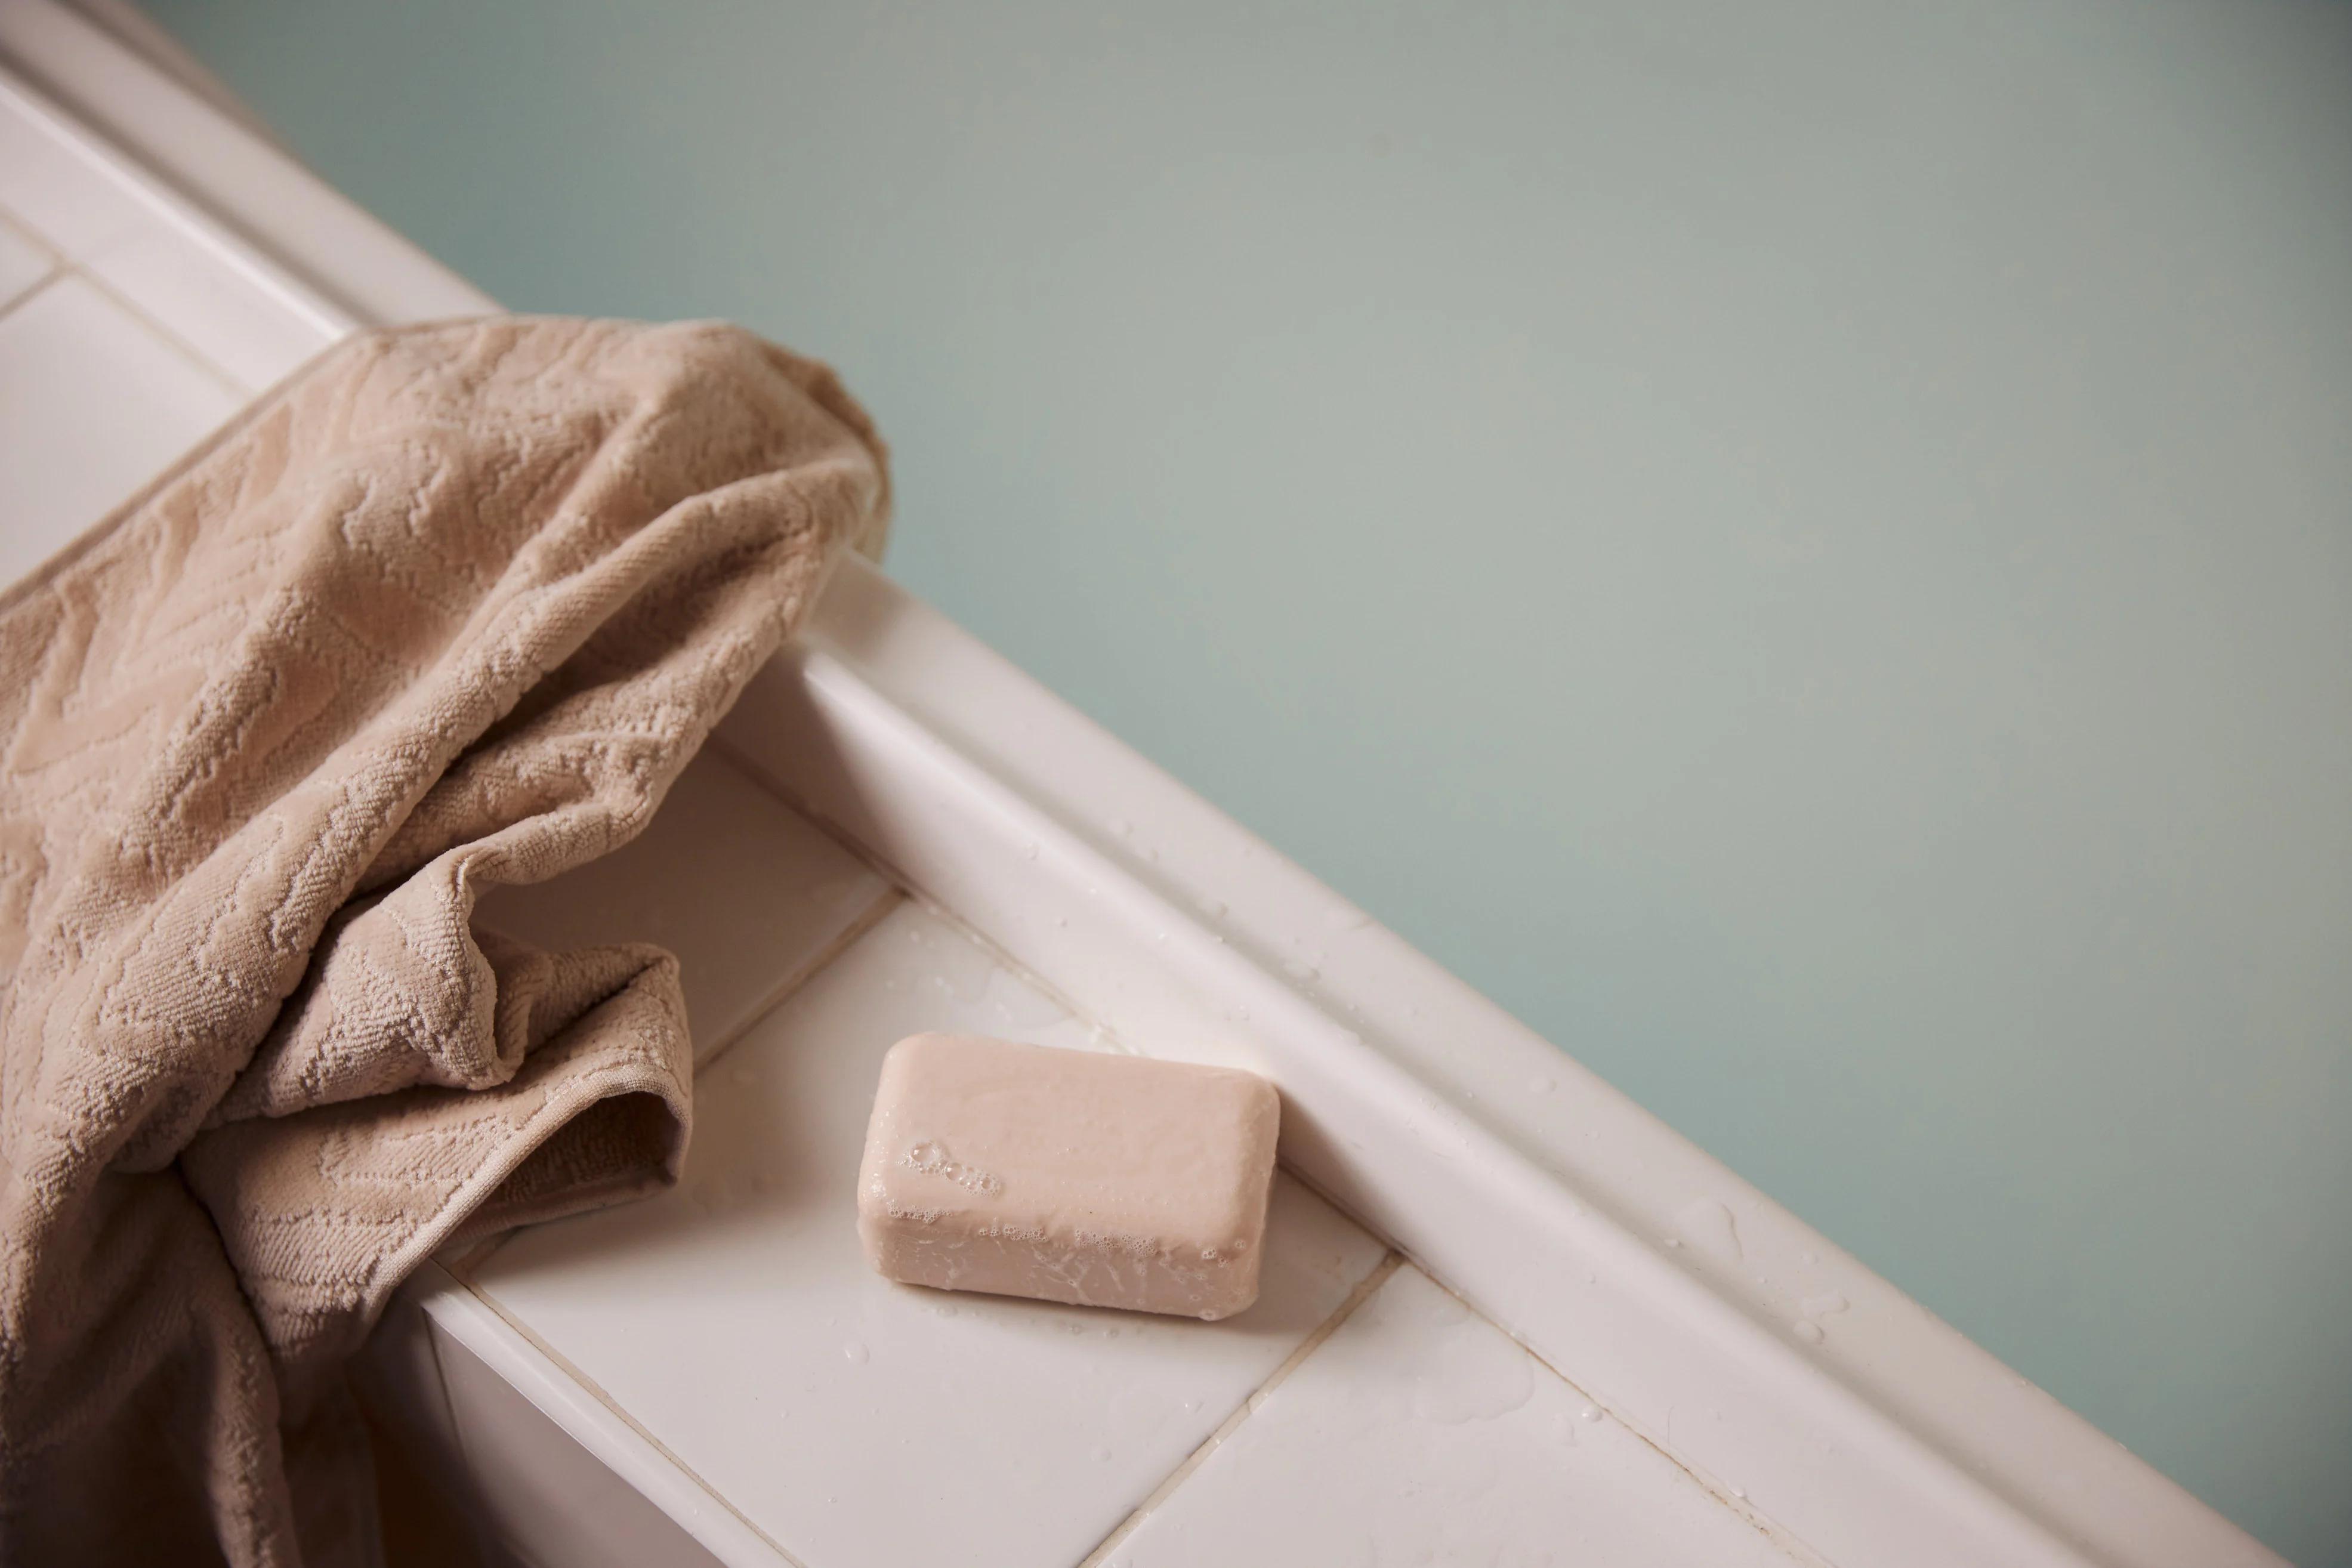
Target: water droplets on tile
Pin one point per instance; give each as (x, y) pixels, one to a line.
(1007, 1404)
(1707, 1224)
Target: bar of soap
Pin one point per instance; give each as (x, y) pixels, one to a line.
(1078, 1176)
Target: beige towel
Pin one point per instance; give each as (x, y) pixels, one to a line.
(450, 609)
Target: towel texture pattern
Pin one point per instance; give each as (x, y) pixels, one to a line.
(450, 609)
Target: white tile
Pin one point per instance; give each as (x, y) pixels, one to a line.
(92, 405)
(861, 1423)
(71, 201)
(739, 886)
(213, 302)
(546, 1500)
(23, 263)
(1420, 1432)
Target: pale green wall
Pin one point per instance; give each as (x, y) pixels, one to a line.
(1806, 549)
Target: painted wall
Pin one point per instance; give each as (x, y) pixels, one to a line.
(1806, 549)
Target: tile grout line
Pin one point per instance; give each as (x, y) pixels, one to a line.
(33, 234)
(64, 264)
(482, 1295)
(14, 222)
(885, 901)
(752, 768)
(1004, 961)
(857, 848)
(899, 890)
(33, 291)
(875, 912)
(158, 201)
(1388, 1264)
(891, 898)
(162, 330)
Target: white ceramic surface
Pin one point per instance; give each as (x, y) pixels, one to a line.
(77, 203)
(1418, 1432)
(855, 1422)
(219, 301)
(1553, 1204)
(980, 768)
(747, 895)
(94, 402)
(208, 304)
(329, 262)
(23, 263)
(541, 1495)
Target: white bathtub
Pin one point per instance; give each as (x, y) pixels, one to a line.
(1509, 1316)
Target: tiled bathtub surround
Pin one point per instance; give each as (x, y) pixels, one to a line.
(850, 1420)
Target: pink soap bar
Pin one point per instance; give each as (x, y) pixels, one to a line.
(1080, 1176)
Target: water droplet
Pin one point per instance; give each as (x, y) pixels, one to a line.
(1213, 907)
(1710, 1227)
(958, 966)
(1346, 919)
(1824, 1306)
(1590, 1413)
(1102, 1455)
(1740, 1493)
(1540, 1085)
(1676, 1242)
(1474, 1374)
(1021, 1004)
(1299, 971)
(1121, 826)
(1029, 851)
(1442, 1308)
(856, 1355)
(1808, 1331)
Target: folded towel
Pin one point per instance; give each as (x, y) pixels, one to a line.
(450, 609)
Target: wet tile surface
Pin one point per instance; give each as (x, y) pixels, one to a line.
(1420, 1433)
(858, 1422)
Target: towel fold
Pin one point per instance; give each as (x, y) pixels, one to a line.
(450, 609)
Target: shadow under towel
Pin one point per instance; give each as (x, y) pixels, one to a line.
(450, 609)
